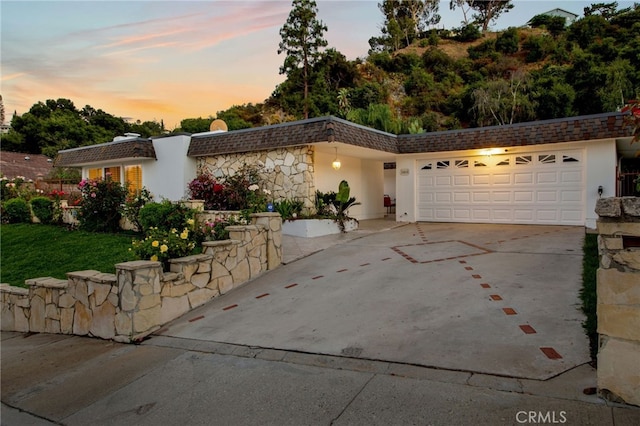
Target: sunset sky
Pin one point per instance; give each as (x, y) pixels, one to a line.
(171, 60)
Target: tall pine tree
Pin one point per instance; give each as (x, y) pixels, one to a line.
(302, 38)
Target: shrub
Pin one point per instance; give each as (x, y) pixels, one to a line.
(245, 190)
(206, 188)
(485, 49)
(161, 245)
(507, 41)
(288, 209)
(101, 206)
(165, 216)
(18, 187)
(216, 230)
(42, 209)
(134, 203)
(16, 210)
(469, 32)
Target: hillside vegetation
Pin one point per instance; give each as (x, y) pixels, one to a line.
(443, 79)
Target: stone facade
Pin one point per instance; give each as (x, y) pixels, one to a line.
(288, 171)
(139, 298)
(619, 299)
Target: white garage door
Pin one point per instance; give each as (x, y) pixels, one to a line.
(536, 188)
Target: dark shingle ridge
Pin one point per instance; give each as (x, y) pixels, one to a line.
(127, 148)
(333, 129)
(569, 129)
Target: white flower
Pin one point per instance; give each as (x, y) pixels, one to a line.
(266, 191)
(254, 187)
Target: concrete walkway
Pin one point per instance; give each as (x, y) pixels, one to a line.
(419, 324)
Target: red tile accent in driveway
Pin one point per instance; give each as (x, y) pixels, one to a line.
(509, 311)
(291, 285)
(229, 307)
(262, 295)
(468, 268)
(196, 318)
(462, 261)
(528, 329)
(365, 264)
(551, 353)
(495, 297)
(485, 285)
(386, 258)
(318, 276)
(476, 276)
(342, 270)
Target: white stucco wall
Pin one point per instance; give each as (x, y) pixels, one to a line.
(600, 169)
(169, 176)
(406, 189)
(365, 178)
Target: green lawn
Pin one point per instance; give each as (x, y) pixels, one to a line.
(590, 262)
(34, 250)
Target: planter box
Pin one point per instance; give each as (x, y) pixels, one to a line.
(315, 227)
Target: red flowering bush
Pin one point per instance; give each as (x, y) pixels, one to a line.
(205, 187)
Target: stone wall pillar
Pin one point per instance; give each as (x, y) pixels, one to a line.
(140, 306)
(619, 299)
(272, 222)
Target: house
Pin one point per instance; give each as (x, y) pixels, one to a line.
(32, 167)
(569, 17)
(545, 172)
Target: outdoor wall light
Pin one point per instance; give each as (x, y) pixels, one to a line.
(336, 163)
(600, 191)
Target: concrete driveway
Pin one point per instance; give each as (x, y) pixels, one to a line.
(493, 299)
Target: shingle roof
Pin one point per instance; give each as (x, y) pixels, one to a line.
(304, 132)
(129, 148)
(332, 129)
(31, 166)
(570, 129)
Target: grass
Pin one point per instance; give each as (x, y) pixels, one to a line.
(34, 250)
(590, 263)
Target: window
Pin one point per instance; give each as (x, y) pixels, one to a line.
(477, 163)
(504, 162)
(443, 164)
(133, 177)
(114, 172)
(426, 167)
(523, 159)
(547, 158)
(461, 164)
(569, 159)
(95, 173)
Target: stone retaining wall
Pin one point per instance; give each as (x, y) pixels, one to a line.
(139, 298)
(619, 299)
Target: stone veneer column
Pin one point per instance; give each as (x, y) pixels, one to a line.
(272, 222)
(140, 306)
(619, 299)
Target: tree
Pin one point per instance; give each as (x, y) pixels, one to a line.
(488, 11)
(1, 110)
(503, 102)
(302, 39)
(404, 21)
(606, 10)
(462, 4)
